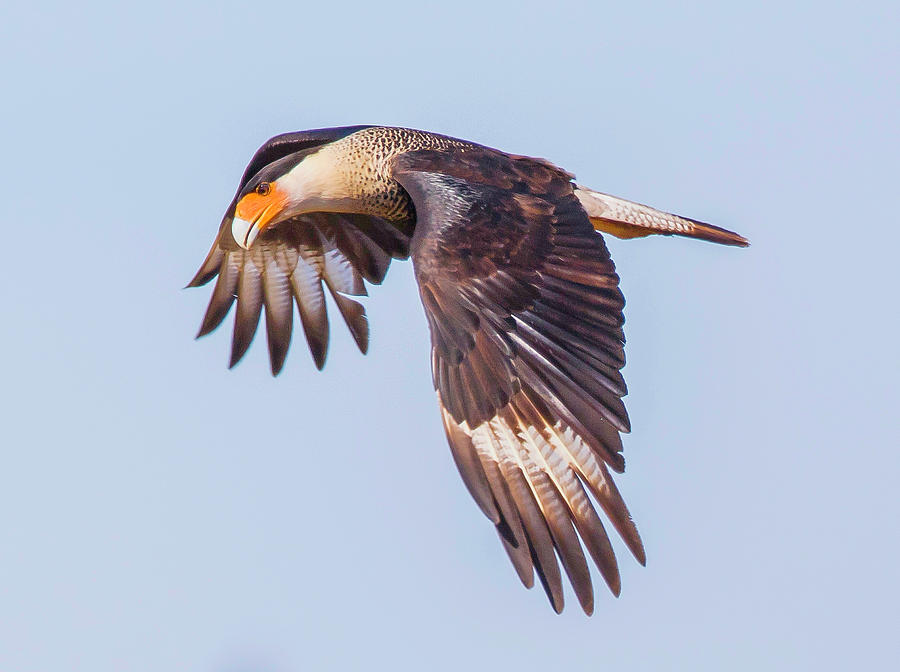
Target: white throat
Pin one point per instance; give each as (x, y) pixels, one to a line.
(317, 184)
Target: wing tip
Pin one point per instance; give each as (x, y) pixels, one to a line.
(210, 323)
(238, 350)
(639, 554)
(278, 346)
(627, 529)
(202, 277)
(519, 557)
(276, 367)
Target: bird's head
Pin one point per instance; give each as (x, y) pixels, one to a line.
(294, 185)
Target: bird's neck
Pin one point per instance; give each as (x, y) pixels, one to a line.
(340, 178)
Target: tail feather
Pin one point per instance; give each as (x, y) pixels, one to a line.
(625, 219)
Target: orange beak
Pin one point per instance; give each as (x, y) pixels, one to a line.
(255, 212)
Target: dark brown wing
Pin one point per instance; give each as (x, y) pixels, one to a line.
(527, 343)
(293, 259)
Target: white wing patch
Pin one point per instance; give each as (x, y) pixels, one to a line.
(535, 476)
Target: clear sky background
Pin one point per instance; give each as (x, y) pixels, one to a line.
(158, 512)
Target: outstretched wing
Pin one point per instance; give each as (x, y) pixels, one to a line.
(293, 259)
(527, 345)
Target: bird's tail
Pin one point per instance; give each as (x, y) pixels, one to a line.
(625, 219)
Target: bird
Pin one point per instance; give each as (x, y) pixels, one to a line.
(520, 295)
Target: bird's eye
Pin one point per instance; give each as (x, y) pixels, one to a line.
(262, 188)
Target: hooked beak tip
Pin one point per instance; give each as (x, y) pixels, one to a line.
(244, 232)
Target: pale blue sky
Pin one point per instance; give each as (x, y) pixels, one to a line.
(149, 522)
